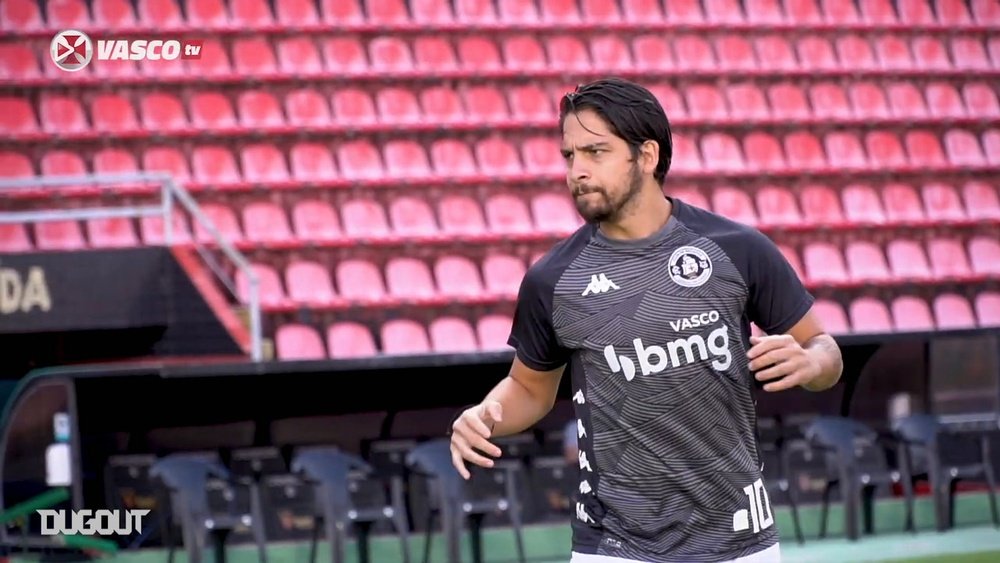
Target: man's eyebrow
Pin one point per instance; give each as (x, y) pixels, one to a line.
(588, 146)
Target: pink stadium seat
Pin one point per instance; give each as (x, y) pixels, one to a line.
(457, 276)
(942, 202)
(214, 60)
(763, 152)
(518, 12)
(910, 313)
(735, 52)
(152, 232)
(113, 161)
(249, 14)
(906, 100)
(307, 107)
(670, 100)
(687, 157)
(508, 214)
(485, 104)
(838, 12)
(262, 163)
(980, 100)
(610, 53)
(953, 311)
(725, 151)
(984, 254)
(962, 148)
(908, 260)
(844, 150)
(299, 55)
(348, 339)
(986, 12)
(821, 206)
(441, 105)
(734, 204)
(61, 114)
(705, 101)
(869, 315)
(360, 160)
(161, 111)
(359, 281)
(364, 218)
(502, 275)
(764, 11)
(18, 62)
(311, 162)
(793, 260)
(777, 206)
(693, 52)
(788, 101)
(315, 221)
(653, 52)
(943, 100)
(461, 216)
(868, 101)
(208, 14)
(893, 53)
(223, 220)
(857, 50)
(525, 53)
(641, 11)
(824, 263)
(115, 232)
(832, 315)
(884, 149)
(968, 53)
(404, 336)
(20, 15)
(496, 156)
(344, 54)
(803, 151)
(981, 200)
(723, 11)
(434, 54)
(862, 205)
(62, 163)
(453, 158)
(412, 217)
(948, 259)
(479, 54)
(390, 55)
(168, 160)
(991, 144)
(530, 103)
(988, 308)
(776, 50)
(917, 12)
(559, 12)
(59, 235)
(816, 53)
(554, 213)
(114, 14)
(829, 101)
(214, 165)
(431, 11)
(269, 289)
(866, 262)
(406, 159)
(398, 105)
(902, 204)
(294, 13)
(452, 335)
(924, 149)
(409, 279)
(563, 51)
(492, 332)
(930, 53)
(259, 109)
(684, 11)
(211, 110)
(294, 341)
(690, 195)
(163, 13)
(541, 156)
(266, 223)
(14, 238)
(475, 11)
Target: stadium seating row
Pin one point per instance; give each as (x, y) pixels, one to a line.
(449, 333)
(222, 14)
(162, 112)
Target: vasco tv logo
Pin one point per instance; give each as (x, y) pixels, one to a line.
(91, 522)
(72, 50)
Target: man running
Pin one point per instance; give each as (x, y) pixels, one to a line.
(649, 305)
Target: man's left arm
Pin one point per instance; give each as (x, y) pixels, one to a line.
(804, 356)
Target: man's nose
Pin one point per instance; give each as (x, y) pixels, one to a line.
(578, 171)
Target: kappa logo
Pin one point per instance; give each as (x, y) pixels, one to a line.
(690, 266)
(599, 283)
(71, 50)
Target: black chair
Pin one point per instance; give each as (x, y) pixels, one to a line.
(185, 481)
(456, 501)
(923, 443)
(856, 464)
(127, 486)
(347, 494)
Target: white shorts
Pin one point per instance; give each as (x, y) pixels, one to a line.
(769, 555)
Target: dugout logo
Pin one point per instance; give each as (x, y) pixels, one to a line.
(71, 50)
(690, 266)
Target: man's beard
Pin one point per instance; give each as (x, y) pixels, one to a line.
(605, 210)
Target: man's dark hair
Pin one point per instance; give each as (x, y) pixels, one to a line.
(631, 111)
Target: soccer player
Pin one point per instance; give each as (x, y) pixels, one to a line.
(649, 306)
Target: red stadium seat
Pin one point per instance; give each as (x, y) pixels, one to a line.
(763, 152)
(735, 204)
(113, 14)
(833, 316)
(902, 205)
(968, 53)
(113, 161)
(610, 53)
(360, 160)
(980, 100)
(816, 53)
(690, 195)
(431, 11)
(479, 54)
(18, 62)
(20, 16)
(985, 11)
(962, 148)
(404, 336)
(307, 108)
(981, 200)
(930, 53)
(693, 52)
(942, 203)
(452, 158)
(776, 50)
(412, 217)
(793, 260)
(269, 289)
(530, 103)
(857, 50)
(910, 313)
(735, 52)
(496, 156)
(409, 279)
(161, 111)
(948, 259)
(944, 100)
(364, 218)
(162, 13)
(684, 11)
(299, 55)
(653, 52)
(788, 101)
(344, 55)
(452, 335)
(434, 54)
(952, 311)
(461, 216)
(870, 315)
(824, 263)
(223, 220)
(348, 339)
(492, 332)
(988, 308)
(398, 105)
(991, 144)
(862, 205)
(642, 10)
(554, 213)
(61, 114)
(475, 11)
(294, 341)
(259, 109)
(893, 53)
(311, 162)
(208, 14)
(837, 12)
(406, 159)
(315, 222)
(502, 275)
(866, 262)
(984, 255)
(214, 165)
(390, 55)
(908, 260)
(723, 11)
(485, 104)
(14, 238)
(906, 100)
(115, 232)
(62, 163)
(821, 206)
(843, 150)
(152, 232)
(803, 151)
(359, 281)
(563, 51)
(262, 163)
(687, 157)
(541, 156)
(441, 105)
(525, 53)
(249, 14)
(295, 13)
(777, 206)
(560, 12)
(884, 149)
(211, 110)
(253, 56)
(168, 160)
(457, 276)
(868, 101)
(705, 101)
(266, 223)
(725, 151)
(829, 101)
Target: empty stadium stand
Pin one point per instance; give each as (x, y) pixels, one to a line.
(391, 169)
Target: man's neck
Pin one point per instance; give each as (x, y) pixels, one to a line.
(649, 214)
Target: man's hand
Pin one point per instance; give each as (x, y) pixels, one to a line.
(470, 432)
(782, 360)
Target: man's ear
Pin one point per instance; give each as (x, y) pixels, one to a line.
(649, 156)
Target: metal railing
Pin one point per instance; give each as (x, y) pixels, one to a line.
(171, 194)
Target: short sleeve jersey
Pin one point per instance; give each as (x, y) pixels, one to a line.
(654, 333)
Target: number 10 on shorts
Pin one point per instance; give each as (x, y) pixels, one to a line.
(759, 512)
